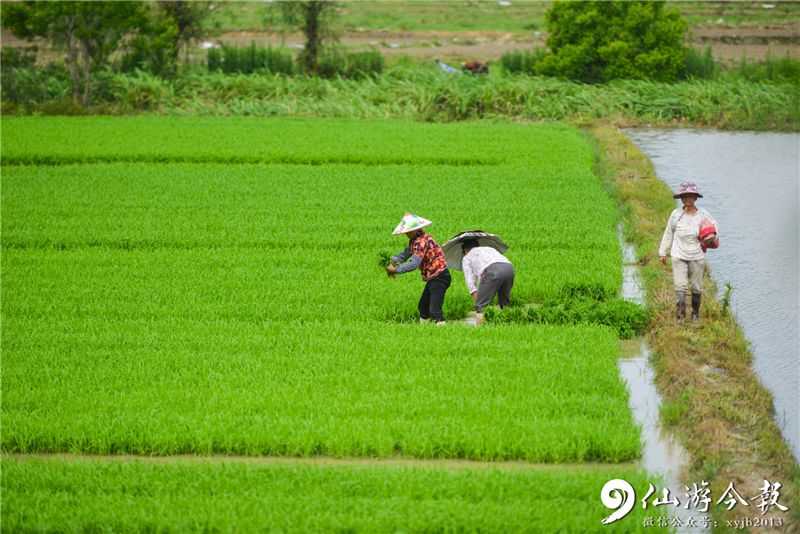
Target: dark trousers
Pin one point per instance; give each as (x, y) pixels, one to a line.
(430, 303)
(497, 279)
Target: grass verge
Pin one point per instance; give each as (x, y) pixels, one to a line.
(725, 420)
(422, 93)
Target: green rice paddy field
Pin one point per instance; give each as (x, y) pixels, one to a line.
(210, 286)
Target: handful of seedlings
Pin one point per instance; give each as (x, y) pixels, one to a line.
(384, 260)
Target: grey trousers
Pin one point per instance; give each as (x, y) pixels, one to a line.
(686, 273)
(497, 279)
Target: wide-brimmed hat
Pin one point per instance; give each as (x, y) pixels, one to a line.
(453, 249)
(687, 188)
(410, 223)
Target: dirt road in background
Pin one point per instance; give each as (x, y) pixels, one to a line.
(729, 43)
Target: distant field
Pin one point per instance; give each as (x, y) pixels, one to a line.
(519, 16)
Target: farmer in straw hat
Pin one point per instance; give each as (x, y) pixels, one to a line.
(425, 254)
(682, 240)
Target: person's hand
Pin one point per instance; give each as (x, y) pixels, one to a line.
(664, 261)
(390, 269)
(474, 296)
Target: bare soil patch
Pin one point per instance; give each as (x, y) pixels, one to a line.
(320, 461)
(729, 43)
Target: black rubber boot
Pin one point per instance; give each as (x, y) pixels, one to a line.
(696, 299)
(680, 306)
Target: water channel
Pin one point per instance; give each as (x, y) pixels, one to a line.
(751, 185)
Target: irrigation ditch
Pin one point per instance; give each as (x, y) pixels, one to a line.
(713, 401)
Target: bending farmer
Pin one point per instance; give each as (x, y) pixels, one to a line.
(496, 276)
(682, 240)
(425, 254)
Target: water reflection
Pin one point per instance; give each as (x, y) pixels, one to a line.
(751, 185)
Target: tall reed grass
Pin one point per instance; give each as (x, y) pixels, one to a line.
(425, 94)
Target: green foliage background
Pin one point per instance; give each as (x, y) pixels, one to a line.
(600, 41)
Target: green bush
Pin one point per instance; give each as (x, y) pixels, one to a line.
(697, 65)
(250, 59)
(783, 70)
(595, 42)
(770, 70)
(28, 86)
(522, 62)
(335, 62)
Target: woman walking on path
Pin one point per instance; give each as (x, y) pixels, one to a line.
(682, 240)
(425, 254)
(496, 275)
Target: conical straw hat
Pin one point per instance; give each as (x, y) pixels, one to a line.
(410, 222)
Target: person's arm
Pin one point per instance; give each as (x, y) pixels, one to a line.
(402, 256)
(666, 239)
(410, 265)
(712, 219)
(469, 276)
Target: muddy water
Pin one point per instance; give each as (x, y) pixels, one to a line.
(662, 455)
(750, 182)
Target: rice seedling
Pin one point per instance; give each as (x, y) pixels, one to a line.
(190, 496)
(96, 383)
(61, 140)
(221, 297)
(627, 319)
(210, 286)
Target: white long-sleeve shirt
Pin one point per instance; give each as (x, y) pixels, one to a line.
(681, 236)
(476, 261)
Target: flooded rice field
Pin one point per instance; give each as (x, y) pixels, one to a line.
(750, 184)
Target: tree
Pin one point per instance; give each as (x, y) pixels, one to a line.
(170, 27)
(89, 32)
(599, 41)
(314, 19)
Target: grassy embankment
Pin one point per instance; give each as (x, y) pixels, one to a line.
(425, 94)
(725, 420)
(209, 286)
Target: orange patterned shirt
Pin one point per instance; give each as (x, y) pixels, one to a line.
(433, 262)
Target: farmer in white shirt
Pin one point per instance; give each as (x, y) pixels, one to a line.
(495, 272)
(682, 240)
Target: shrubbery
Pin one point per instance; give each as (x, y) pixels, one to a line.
(522, 62)
(354, 65)
(595, 42)
(601, 41)
(254, 58)
(267, 60)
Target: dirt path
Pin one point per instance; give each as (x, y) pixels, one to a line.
(729, 43)
(321, 461)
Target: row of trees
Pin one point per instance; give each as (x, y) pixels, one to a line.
(588, 41)
(149, 35)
